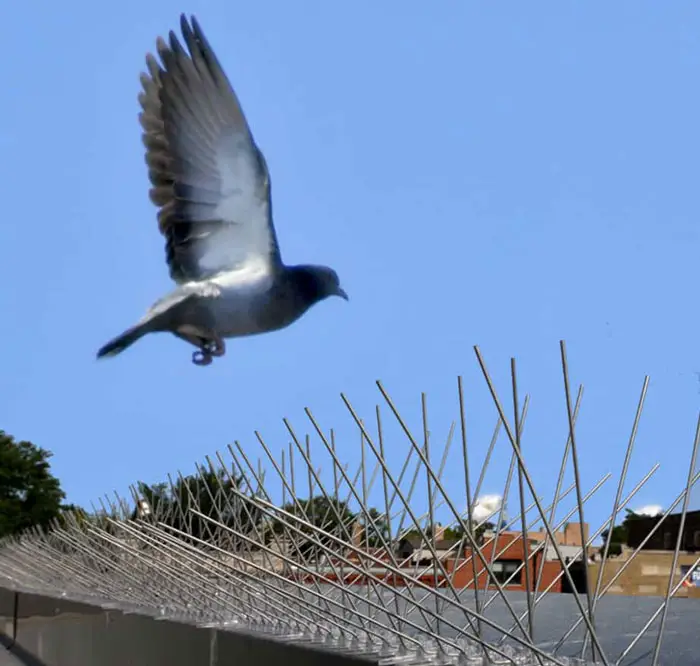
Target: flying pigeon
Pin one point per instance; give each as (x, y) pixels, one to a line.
(212, 186)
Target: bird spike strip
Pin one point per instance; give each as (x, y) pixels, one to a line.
(244, 551)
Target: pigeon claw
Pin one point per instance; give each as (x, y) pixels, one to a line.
(201, 357)
(209, 350)
(216, 347)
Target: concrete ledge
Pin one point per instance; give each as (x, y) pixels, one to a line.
(58, 632)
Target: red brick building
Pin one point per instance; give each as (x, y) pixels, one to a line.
(507, 556)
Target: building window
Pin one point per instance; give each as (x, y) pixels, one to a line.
(696, 539)
(668, 541)
(504, 569)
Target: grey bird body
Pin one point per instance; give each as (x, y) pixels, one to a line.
(212, 186)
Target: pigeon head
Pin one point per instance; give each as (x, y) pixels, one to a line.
(317, 282)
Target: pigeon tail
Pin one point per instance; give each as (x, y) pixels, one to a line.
(121, 342)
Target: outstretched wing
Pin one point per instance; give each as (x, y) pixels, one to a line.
(208, 177)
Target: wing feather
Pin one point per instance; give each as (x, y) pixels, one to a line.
(208, 177)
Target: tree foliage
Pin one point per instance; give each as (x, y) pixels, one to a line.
(73, 515)
(318, 517)
(29, 494)
(328, 521)
(202, 507)
(455, 532)
(375, 528)
(619, 535)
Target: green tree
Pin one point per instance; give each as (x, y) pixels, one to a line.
(73, 515)
(619, 535)
(329, 514)
(159, 502)
(29, 494)
(457, 532)
(210, 493)
(376, 528)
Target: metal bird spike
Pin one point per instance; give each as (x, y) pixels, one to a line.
(304, 547)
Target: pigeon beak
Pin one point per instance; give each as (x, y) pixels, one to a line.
(341, 292)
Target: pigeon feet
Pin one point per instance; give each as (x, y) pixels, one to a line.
(208, 351)
(201, 357)
(216, 347)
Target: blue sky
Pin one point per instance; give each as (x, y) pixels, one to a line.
(506, 175)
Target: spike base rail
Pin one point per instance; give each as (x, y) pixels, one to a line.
(57, 631)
